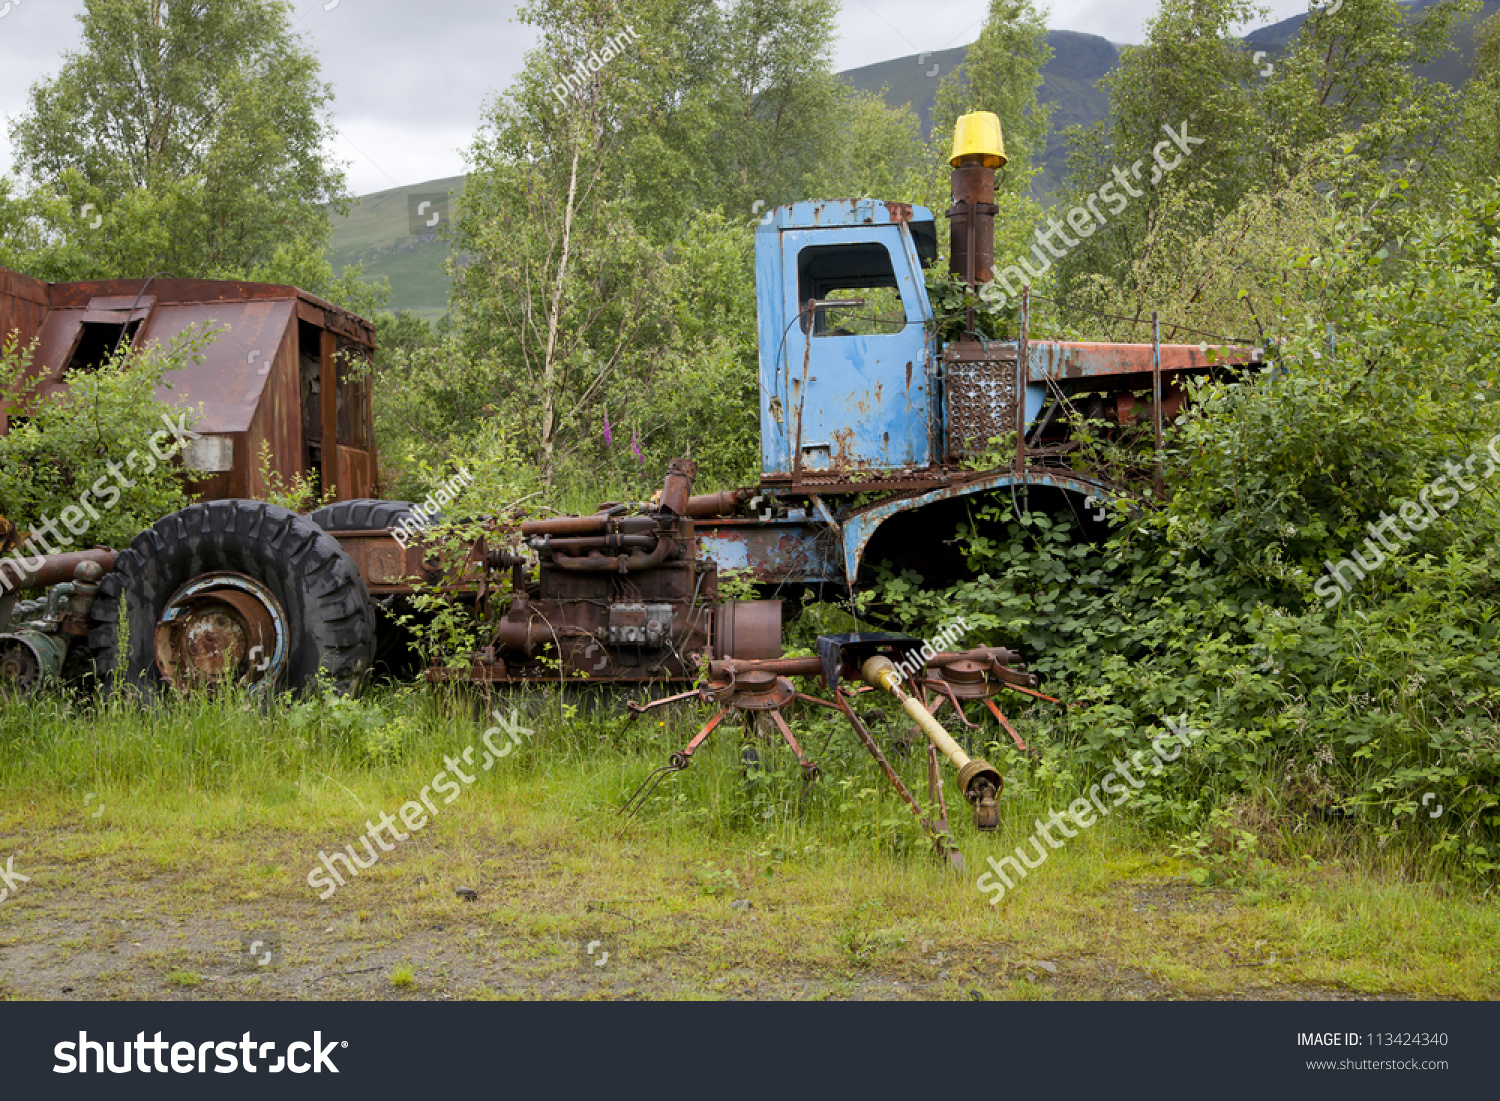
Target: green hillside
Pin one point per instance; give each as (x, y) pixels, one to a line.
(378, 231)
(384, 233)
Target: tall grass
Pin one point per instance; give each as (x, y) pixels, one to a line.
(583, 753)
(583, 756)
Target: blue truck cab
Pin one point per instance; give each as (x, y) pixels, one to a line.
(845, 386)
(871, 426)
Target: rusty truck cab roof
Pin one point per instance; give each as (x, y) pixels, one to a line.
(261, 379)
(251, 320)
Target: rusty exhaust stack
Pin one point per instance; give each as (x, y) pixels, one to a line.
(978, 149)
(54, 569)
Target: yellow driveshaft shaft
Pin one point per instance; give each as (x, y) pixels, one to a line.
(979, 780)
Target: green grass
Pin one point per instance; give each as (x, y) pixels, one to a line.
(838, 890)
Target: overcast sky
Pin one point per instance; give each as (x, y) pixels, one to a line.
(410, 79)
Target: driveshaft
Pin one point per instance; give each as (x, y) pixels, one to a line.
(979, 780)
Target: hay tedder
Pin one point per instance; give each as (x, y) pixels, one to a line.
(871, 432)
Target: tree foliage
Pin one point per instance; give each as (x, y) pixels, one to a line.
(604, 310)
(1340, 107)
(181, 137)
(1002, 73)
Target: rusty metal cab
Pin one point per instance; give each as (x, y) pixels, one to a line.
(287, 370)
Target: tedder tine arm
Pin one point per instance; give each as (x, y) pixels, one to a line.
(939, 838)
(1022, 746)
(810, 771)
(641, 708)
(677, 763)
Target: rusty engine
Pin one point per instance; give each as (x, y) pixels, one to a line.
(619, 597)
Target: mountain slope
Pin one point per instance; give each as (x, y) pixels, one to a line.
(387, 235)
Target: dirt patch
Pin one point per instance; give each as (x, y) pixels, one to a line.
(110, 922)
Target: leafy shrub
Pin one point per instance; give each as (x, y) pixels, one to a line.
(1378, 705)
(94, 438)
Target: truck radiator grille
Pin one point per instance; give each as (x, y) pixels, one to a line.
(981, 404)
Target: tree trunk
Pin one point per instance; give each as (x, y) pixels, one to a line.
(554, 318)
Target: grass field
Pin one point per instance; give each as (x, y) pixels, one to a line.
(162, 845)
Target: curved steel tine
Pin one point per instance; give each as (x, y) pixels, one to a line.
(642, 793)
(679, 761)
(957, 706)
(805, 698)
(641, 708)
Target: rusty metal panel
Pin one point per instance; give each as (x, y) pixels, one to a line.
(328, 392)
(306, 311)
(231, 377)
(23, 310)
(354, 473)
(118, 311)
(277, 421)
(1079, 359)
(217, 487)
(23, 305)
(211, 292)
(385, 565)
(55, 339)
(772, 550)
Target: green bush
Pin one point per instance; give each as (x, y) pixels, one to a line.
(95, 439)
(1378, 704)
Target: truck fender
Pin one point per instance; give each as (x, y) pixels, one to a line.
(860, 528)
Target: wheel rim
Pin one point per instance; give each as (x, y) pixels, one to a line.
(222, 628)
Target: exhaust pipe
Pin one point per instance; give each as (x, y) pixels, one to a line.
(978, 149)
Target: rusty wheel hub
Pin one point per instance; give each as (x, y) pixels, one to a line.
(966, 680)
(222, 628)
(762, 691)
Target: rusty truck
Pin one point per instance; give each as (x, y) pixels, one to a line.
(873, 437)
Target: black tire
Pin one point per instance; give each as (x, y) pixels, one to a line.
(331, 620)
(397, 654)
(364, 514)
